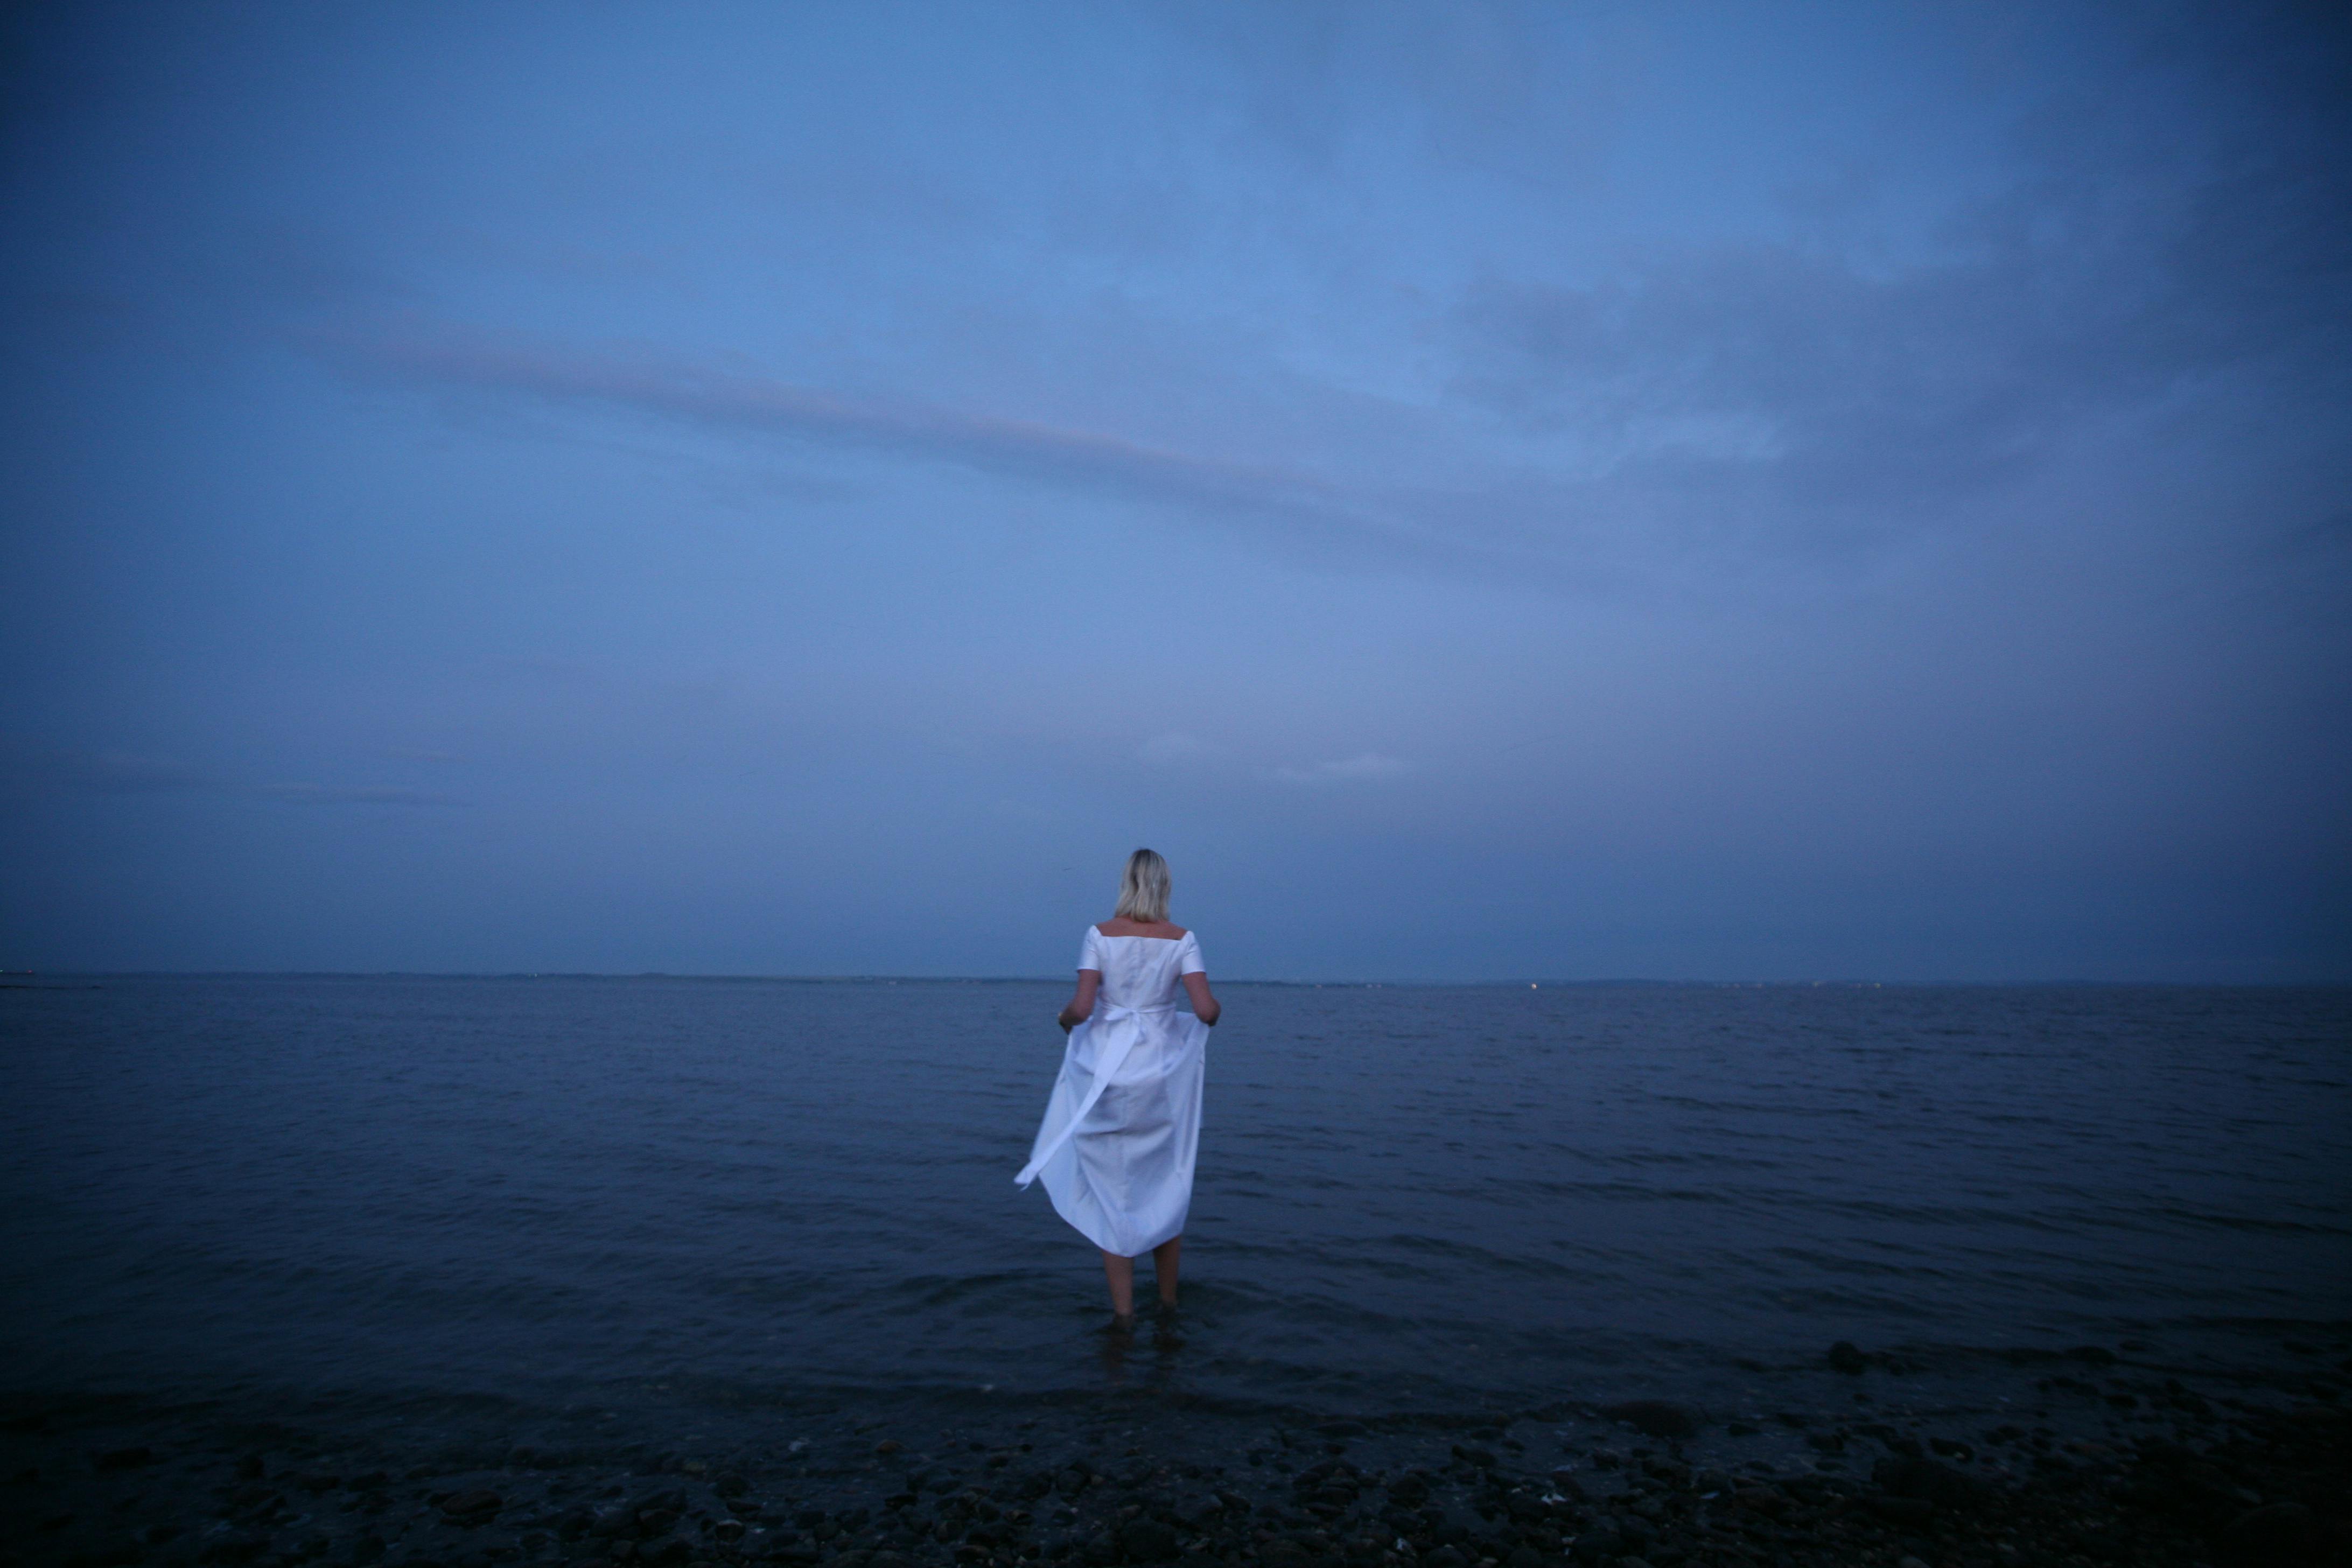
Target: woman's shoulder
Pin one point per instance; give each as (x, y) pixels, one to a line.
(1165, 931)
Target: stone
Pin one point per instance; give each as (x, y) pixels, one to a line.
(1656, 1417)
(124, 1458)
(1598, 1545)
(1524, 1557)
(1148, 1540)
(1906, 1510)
(1846, 1356)
(1925, 1479)
(474, 1507)
(2274, 1530)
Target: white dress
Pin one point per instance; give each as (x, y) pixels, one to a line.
(1116, 1146)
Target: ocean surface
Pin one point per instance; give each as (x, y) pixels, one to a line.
(546, 1191)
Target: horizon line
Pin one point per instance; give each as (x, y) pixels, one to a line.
(1849, 982)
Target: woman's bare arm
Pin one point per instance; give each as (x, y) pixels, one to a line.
(1082, 1006)
(1205, 1007)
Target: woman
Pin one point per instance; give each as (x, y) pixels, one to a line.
(1116, 1145)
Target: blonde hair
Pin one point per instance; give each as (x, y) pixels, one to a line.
(1143, 888)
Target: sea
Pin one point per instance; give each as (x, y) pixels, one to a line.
(666, 1196)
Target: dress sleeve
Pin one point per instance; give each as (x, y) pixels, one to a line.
(1188, 956)
(1090, 951)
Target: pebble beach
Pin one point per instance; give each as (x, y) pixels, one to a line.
(2090, 1457)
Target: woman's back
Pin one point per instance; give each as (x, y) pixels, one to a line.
(1141, 972)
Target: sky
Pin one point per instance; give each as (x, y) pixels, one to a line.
(1491, 492)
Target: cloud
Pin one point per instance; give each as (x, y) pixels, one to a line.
(1172, 748)
(648, 382)
(1368, 765)
(124, 772)
(334, 795)
(1801, 387)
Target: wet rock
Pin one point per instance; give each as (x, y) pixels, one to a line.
(124, 1458)
(1598, 1545)
(1657, 1417)
(728, 1484)
(1910, 1512)
(1524, 1557)
(2279, 1530)
(1927, 1479)
(1148, 1540)
(1446, 1556)
(1478, 1456)
(1846, 1356)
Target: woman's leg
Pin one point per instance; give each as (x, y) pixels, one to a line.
(1163, 1264)
(1120, 1272)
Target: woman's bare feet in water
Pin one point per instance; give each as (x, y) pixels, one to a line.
(1120, 1324)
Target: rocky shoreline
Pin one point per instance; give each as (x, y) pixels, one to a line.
(2099, 1463)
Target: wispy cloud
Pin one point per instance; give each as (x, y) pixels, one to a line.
(1791, 383)
(124, 772)
(1172, 747)
(342, 795)
(1367, 765)
(651, 382)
